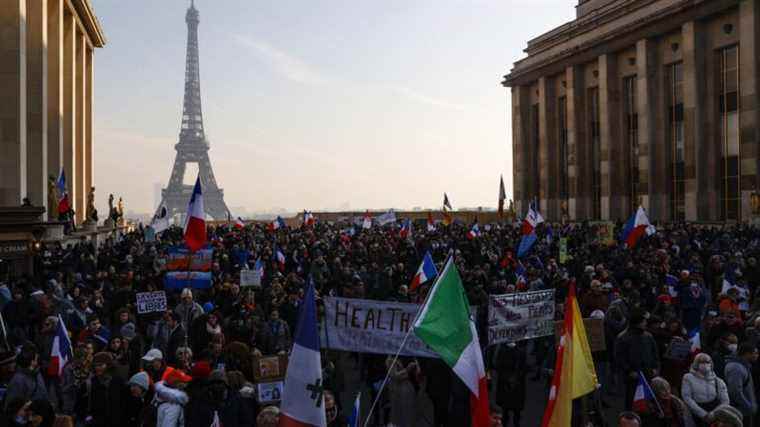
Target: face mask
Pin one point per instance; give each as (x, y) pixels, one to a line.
(732, 347)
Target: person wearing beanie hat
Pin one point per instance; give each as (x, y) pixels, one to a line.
(137, 401)
(171, 398)
(726, 416)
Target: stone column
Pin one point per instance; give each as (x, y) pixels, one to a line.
(579, 204)
(69, 104)
(13, 142)
(80, 96)
(653, 154)
(548, 156)
(609, 133)
(89, 164)
(55, 87)
(36, 91)
(521, 169)
(749, 71)
(695, 135)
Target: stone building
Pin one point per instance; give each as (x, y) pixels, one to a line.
(46, 88)
(651, 102)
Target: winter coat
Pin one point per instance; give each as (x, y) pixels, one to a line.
(105, 401)
(231, 414)
(27, 385)
(170, 403)
(636, 350)
(697, 388)
(188, 313)
(741, 387)
(511, 367)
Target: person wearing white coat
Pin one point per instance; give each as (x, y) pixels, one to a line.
(702, 390)
(171, 405)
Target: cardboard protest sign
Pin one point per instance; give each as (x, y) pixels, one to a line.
(151, 302)
(520, 316)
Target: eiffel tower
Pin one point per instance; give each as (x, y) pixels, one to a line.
(192, 146)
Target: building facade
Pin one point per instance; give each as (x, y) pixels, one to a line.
(640, 102)
(46, 88)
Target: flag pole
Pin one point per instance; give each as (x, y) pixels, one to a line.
(403, 343)
(5, 333)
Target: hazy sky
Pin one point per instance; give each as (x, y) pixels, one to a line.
(317, 104)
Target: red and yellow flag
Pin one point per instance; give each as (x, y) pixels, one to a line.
(574, 373)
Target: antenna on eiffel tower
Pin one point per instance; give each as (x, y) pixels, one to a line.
(192, 148)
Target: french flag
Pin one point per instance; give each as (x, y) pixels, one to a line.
(63, 196)
(195, 226)
(636, 227)
(672, 282)
(695, 340)
(277, 224)
(302, 396)
(474, 232)
(239, 224)
(353, 419)
(61, 351)
(406, 229)
(426, 272)
(531, 221)
(279, 257)
(642, 395)
(367, 223)
(259, 267)
(308, 218)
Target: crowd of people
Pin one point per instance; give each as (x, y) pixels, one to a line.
(192, 364)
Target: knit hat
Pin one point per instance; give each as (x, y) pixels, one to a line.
(201, 370)
(208, 307)
(102, 358)
(728, 415)
(140, 379)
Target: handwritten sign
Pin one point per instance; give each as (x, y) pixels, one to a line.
(520, 316)
(368, 326)
(250, 278)
(151, 302)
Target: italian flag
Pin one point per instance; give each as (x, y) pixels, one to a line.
(445, 325)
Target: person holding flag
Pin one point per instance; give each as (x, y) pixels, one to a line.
(61, 351)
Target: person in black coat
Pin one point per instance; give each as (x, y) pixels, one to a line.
(106, 392)
(510, 365)
(177, 338)
(217, 397)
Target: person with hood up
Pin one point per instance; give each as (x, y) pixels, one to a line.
(170, 398)
(105, 393)
(26, 383)
(741, 388)
(702, 390)
(217, 398)
(138, 410)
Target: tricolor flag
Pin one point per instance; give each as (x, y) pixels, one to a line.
(445, 324)
(195, 225)
(447, 219)
(63, 196)
(474, 231)
(161, 220)
(367, 223)
(258, 267)
(406, 229)
(430, 223)
(303, 403)
(308, 219)
(427, 271)
(446, 203)
(574, 374)
(642, 395)
(695, 340)
(635, 227)
(672, 282)
(276, 224)
(279, 258)
(531, 221)
(239, 224)
(354, 419)
(61, 351)
(502, 197)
